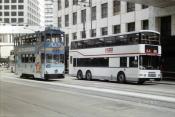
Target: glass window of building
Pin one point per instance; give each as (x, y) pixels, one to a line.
(0, 7)
(67, 39)
(6, 20)
(21, 13)
(13, 7)
(83, 34)
(75, 2)
(66, 20)
(83, 16)
(74, 18)
(93, 33)
(131, 26)
(145, 24)
(6, 7)
(0, 13)
(66, 3)
(13, 20)
(13, 1)
(6, 14)
(20, 20)
(116, 7)
(104, 10)
(116, 29)
(13, 13)
(74, 36)
(6, 1)
(93, 13)
(59, 4)
(0, 1)
(20, 7)
(20, 1)
(59, 22)
(130, 6)
(104, 31)
(144, 6)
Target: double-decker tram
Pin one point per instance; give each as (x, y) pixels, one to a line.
(40, 55)
(133, 56)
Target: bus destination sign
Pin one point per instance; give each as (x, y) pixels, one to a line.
(151, 49)
(108, 50)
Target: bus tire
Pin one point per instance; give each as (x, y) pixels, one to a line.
(121, 77)
(88, 75)
(79, 75)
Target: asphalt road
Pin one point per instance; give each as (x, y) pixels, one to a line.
(78, 98)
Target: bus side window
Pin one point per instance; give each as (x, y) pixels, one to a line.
(133, 61)
(123, 61)
(74, 62)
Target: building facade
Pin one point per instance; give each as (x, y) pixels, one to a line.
(20, 12)
(82, 19)
(16, 17)
(95, 18)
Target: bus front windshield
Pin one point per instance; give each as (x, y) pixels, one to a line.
(149, 62)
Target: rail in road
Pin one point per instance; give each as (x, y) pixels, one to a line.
(158, 94)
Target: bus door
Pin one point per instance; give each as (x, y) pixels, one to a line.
(133, 67)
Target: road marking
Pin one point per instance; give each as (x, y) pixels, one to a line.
(103, 90)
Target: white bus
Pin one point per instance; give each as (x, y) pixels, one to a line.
(12, 61)
(40, 55)
(133, 56)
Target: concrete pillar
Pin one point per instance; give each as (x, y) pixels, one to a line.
(173, 25)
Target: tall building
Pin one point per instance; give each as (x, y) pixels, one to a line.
(50, 10)
(20, 12)
(80, 19)
(16, 17)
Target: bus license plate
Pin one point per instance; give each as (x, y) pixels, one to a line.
(151, 75)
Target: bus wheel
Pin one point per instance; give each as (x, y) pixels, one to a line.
(88, 75)
(121, 77)
(79, 75)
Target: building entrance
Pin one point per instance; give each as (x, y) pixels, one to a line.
(168, 49)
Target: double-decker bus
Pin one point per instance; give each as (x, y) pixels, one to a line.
(133, 56)
(12, 61)
(41, 54)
